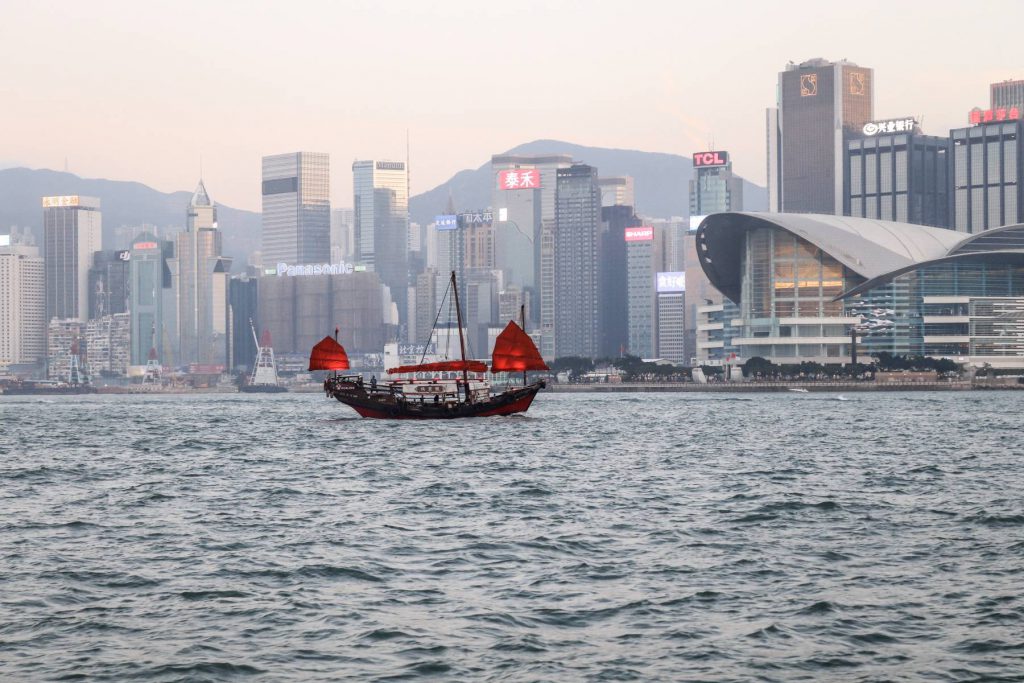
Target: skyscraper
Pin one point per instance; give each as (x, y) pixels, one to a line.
(381, 215)
(613, 278)
(22, 306)
(617, 191)
(820, 105)
(576, 246)
(108, 283)
(343, 244)
(201, 274)
(714, 188)
(296, 208)
(523, 199)
(149, 275)
(72, 232)
(645, 257)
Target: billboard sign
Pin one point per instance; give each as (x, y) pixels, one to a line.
(54, 202)
(644, 233)
(5, 240)
(314, 269)
(144, 245)
(124, 255)
(695, 222)
(519, 179)
(446, 222)
(671, 282)
(710, 159)
(906, 125)
(473, 219)
(978, 116)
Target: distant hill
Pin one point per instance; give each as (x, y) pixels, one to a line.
(661, 181)
(124, 204)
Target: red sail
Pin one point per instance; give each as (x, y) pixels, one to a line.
(442, 366)
(514, 351)
(328, 355)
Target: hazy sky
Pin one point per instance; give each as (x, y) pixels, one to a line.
(140, 90)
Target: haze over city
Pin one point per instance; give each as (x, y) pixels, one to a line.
(137, 92)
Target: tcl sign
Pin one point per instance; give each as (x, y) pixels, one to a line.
(519, 179)
(704, 159)
(641, 234)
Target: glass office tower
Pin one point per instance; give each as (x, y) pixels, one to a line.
(296, 209)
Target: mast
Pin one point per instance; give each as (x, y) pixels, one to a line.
(522, 321)
(462, 340)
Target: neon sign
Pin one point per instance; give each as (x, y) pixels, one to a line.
(519, 179)
(641, 234)
(895, 126)
(708, 159)
(978, 116)
(315, 269)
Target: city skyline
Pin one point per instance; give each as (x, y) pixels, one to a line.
(685, 105)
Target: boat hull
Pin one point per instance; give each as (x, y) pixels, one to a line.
(383, 406)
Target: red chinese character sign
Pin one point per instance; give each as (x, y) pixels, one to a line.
(978, 116)
(519, 179)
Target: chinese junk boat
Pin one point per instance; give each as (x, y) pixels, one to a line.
(435, 398)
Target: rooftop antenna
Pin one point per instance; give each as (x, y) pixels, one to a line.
(408, 181)
(200, 166)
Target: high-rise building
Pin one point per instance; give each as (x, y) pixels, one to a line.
(381, 216)
(987, 170)
(296, 208)
(243, 307)
(895, 173)
(523, 200)
(714, 188)
(820, 105)
(645, 257)
(343, 243)
(200, 274)
(617, 191)
(109, 283)
(670, 312)
(108, 345)
(22, 306)
(426, 305)
(1006, 94)
(64, 339)
(149, 277)
(576, 248)
(614, 285)
(72, 233)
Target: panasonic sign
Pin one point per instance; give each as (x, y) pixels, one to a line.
(314, 269)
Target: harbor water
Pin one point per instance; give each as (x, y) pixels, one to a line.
(777, 537)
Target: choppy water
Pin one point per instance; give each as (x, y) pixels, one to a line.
(608, 537)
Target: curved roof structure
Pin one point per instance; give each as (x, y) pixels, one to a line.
(876, 250)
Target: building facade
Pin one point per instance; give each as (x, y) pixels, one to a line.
(987, 163)
(22, 306)
(617, 191)
(243, 317)
(576, 247)
(296, 208)
(901, 176)
(299, 310)
(820, 105)
(72, 233)
(805, 286)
